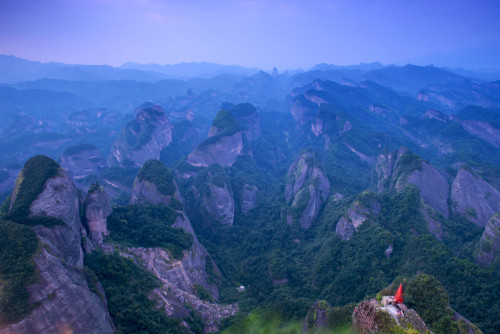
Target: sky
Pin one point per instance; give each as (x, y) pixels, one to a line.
(256, 33)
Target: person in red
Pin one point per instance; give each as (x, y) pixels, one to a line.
(398, 298)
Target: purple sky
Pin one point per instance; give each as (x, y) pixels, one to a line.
(262, 33)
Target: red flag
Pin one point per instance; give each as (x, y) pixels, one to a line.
(398, 298)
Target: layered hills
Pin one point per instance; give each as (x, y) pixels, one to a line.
(214, 204)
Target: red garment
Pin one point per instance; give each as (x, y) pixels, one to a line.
(398, 298)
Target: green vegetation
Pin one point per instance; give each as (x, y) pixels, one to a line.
(202, 293)
(128, 288)
(227, 126)
(156, 172)
(122, 175)
(425, 294)
(18, 246)
(75, 149)
(29, 185)
(148, 226)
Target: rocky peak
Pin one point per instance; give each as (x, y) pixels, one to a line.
(248, 118)
(217, 196)
(97, 208)
(317, 317)
(223, 145)
(363, 209)
(435, 114)
(154, 184)
(307, 188)
(474, 198)
(46, 195)
(82, 160)
(143, 138)
(371, 316)
(489, 245)
(399, 168)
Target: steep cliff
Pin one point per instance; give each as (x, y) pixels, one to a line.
(370, 317)
(143, 138)
(363, 209)
(82, 160)
(185, 280)
(97, 207)
(223, 145)
(154, 184)
(474, 198)
(62, 297)
(307, 188)
(489, 245)
(248, 117)
(397, 169)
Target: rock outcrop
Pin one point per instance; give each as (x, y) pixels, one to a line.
(317, 317)
(489, 245)
(398, 169)
(248, 118)
(370, 317)
(143, 138)
(97, 208)
(363, 209)
(64, 302)
(307, 188)
(248, 198)
(82, 160)
(223, 145)
(219, 202)
(474, 198)
(484, 131)
(181, 278)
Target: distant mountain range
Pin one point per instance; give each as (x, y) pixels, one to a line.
(14, 69)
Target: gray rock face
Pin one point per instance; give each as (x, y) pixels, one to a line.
(307, 187)
(146, 192)
(59, 199)
(224, 151)
(370, 317)
(179, 278)
(433, 188)
(248, 198)
(143, 138)
(356, 216)
(317, 316)
(489, 245)
(483, 131)
(84, 163)
(220, 203)
(65, 302)
(398, 169)
(474, 198)
(248, 117)
(97, 207)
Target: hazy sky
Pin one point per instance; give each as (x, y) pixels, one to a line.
(262, 33)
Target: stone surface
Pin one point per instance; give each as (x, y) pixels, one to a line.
(306, 179)
(474, 198)
(317, 316)
(220, 203)
(489, 245)
(97, 208)
(248, 198)
(65, 303)
(224, 151)
(143, 138)
(370, 317)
